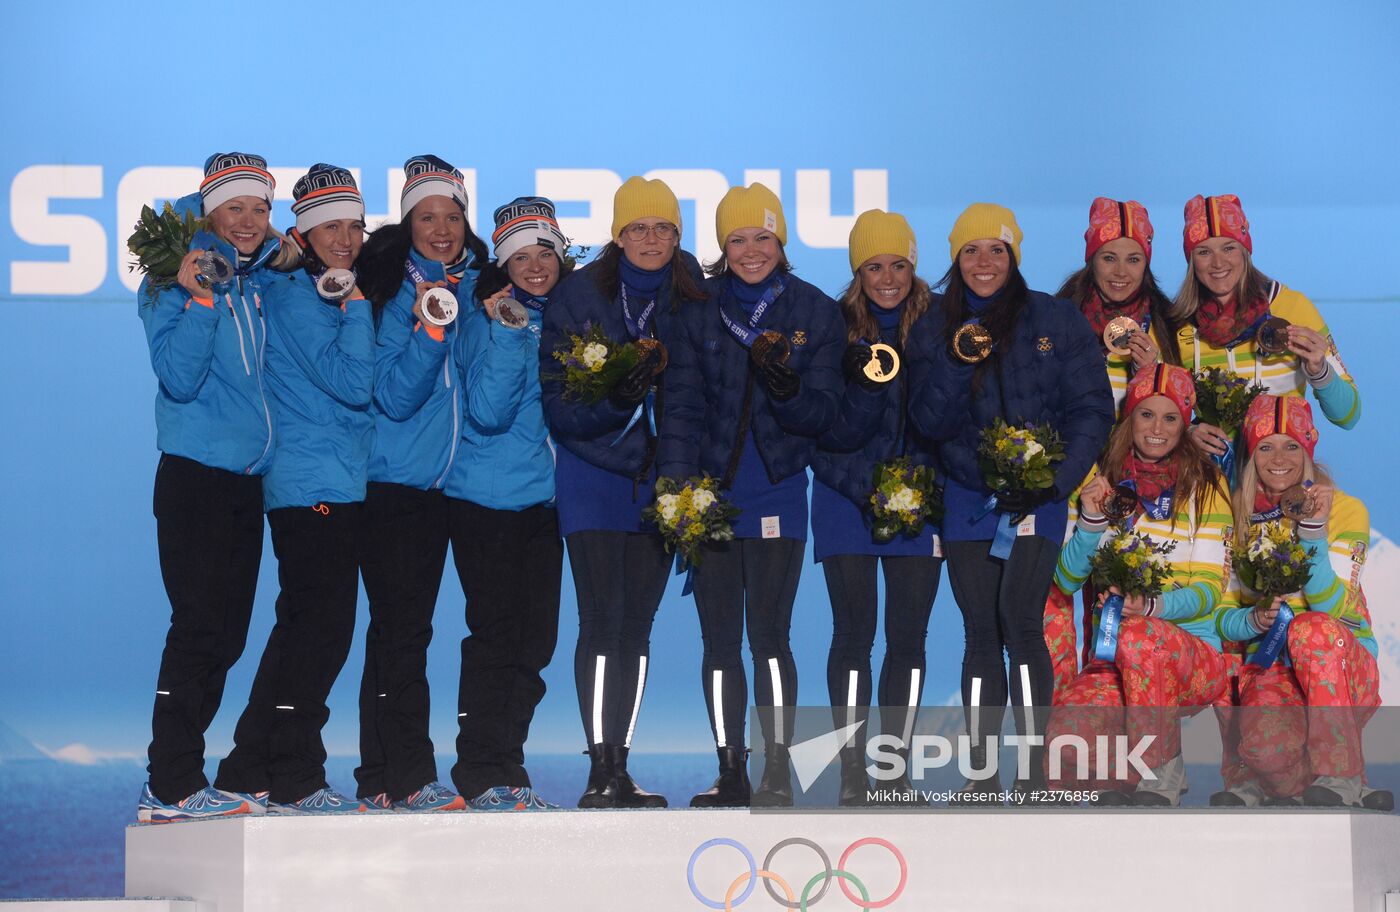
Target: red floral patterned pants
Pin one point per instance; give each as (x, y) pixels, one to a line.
(1061, 639)
(1305, 721)
(1161, 673)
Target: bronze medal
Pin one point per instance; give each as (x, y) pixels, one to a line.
(883, 365)
(770, 346)
(1117, 333)
(1122, 503)
(972, 342)
(651, 351)
(1297, 502)
(1273, 336)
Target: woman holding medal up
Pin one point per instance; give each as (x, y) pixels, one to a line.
(414, 273)
(320, 374)
(1156, 483)
(1118, 294)
(1241, 320)
(500, 510)
(1003, 352)
(883, 302)
(214, 429)
(1328, 659)
(635, 291)
(754, 379)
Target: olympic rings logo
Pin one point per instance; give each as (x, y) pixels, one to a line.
(749, 878)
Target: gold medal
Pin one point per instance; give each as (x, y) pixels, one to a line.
(1117, 333)
(972, 342)
(652, 351)
(1273, 336)
(770, 346)
(883, 365)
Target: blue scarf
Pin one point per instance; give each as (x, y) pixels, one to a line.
(746, 294)
(887, 319)
(642, 284)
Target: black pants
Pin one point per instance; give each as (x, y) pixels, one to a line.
(911, 584)
(510, 563)
(209, 530)
(620, 578)
(748, 582)
(277, 744)
(405, 549)
(1003, 609)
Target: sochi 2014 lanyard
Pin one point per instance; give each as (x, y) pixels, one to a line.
(747, 334)
(1158, 509)
(1267, 515)
(638, 327)
(531, 301)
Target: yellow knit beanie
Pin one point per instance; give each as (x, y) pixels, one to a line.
(754, 206)
(985, 220)
(878, 232)
(639, 198)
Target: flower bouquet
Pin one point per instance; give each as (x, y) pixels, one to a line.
(594, 364)
(160, 243)
(689, 514)
(1272, 563)
(1135, 565)
(904, 500)
(1223, 398)
(1019, 458)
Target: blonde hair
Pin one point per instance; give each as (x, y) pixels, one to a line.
(860, 324)
(288, 255)
(1252, 284)
(1247, 489)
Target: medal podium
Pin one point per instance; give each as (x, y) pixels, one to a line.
(674, 860)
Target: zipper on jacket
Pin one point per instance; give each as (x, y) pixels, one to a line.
(745, 417)
(452, 450)
(262, 394)
(238, 326)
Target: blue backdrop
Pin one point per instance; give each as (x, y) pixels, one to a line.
(914, 106)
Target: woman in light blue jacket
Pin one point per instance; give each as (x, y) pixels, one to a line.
(320, 373)
(215, 433)
(500, 509)
(417, 409)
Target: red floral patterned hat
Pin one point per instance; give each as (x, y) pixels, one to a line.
(1163, 380)
(1269, 415)
(1215, 216)
(1110, 220)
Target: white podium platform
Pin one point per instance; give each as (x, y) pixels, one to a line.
(1166, 861)
(134, 904)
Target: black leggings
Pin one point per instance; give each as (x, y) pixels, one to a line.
(619, 578)
(911, 584)
(277, 744)
(1003, 609)
(748, 582)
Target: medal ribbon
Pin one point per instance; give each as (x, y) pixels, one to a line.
(638, 326)
(1005, 537)
(1274, 641)
(747, 334)
(1110, 617)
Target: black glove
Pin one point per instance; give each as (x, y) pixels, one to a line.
(1022, 503)
(780, 380)
(632, 389)
(853, 365)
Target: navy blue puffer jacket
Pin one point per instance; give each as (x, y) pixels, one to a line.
(868, 430)
(588, 431)
(1052, 372)
(710, 390)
